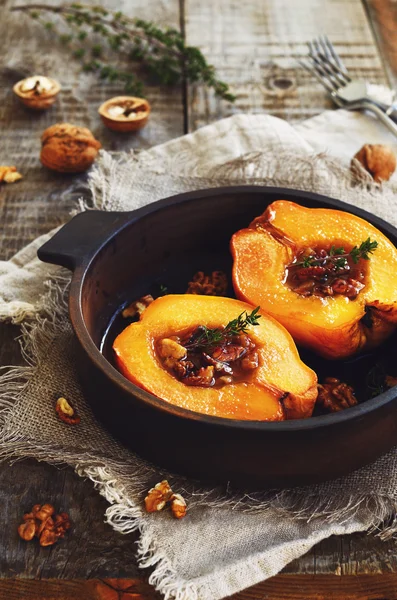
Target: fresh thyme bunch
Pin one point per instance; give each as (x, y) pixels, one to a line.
(161, 51)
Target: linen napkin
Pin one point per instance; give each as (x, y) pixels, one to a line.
(230, 539)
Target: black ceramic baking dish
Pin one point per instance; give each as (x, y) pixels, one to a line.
(118, 257)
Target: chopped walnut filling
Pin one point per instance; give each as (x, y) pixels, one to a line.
(334, 395)
(228, 362)
(329, 276)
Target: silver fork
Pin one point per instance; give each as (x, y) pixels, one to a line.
(327, 67)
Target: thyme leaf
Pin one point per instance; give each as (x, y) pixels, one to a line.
(338, 257)
(207, 338)
(363, 250)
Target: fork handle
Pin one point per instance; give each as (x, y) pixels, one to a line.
(390, 111)
(385, 118)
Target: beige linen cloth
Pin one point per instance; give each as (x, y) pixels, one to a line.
(230, 539)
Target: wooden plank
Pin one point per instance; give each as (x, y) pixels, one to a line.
(255, 44)
(96, 589)
(90, 549)
(281, 587)
(323, 587)
(44, 199)
(382, 15)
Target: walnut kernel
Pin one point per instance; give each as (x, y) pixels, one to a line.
(178, 506)
(43, 523)
(9, 174)
(137, 307)
(171, 349)
(66, 412)
(158, 496)
(334, 395)
(27, 530)
(37, 92)
(379, 160)
(125, 113)
(208, 285)
(390, 381)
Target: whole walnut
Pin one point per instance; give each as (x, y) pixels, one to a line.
(378, 160)
(68, 149)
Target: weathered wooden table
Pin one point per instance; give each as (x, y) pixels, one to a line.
(254, 45)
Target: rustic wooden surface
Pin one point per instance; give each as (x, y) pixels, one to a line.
(282, 587)
(254, 45)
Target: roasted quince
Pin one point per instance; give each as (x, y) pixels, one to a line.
(217, 356)
(328, 276)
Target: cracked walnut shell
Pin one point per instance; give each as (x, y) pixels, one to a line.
(68, 149)
(378, 160)
(37, 92)
(125, 113)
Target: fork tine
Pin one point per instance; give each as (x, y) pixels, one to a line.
(334, 54)
(320, 51)
(330, 68)
(326, 74)
(313, 70)
(324, 47)
(316, 47)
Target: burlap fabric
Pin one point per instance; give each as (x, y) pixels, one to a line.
(230, 539)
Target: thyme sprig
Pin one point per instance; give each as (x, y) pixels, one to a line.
(208, 338)
(161, 51)
(338, 257)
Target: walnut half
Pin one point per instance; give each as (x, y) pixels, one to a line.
(161, 495)
(334, 395)
(43, 523)
(158, 496)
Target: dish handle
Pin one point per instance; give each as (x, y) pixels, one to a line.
(81, 237)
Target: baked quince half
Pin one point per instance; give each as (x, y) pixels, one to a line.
(328, 276)
(217, 356)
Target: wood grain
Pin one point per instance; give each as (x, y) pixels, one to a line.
(44, 199)
(281, 587)
(323, 587)
(96, 589)
(255, 44)
(382, 15)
